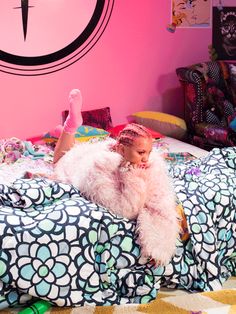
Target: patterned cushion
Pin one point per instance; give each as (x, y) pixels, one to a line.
(215, 111)
(84, 133)
(98, 118)
(212, 118)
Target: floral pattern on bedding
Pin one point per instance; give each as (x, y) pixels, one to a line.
(206, 188)
(58, 246)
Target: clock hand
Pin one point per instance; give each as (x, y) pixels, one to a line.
(24, 11)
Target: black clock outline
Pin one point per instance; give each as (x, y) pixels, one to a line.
(67, 51)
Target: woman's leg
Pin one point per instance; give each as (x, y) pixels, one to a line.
(64, 143)
(73, 121)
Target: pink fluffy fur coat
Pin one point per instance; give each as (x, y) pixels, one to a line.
(143, 194)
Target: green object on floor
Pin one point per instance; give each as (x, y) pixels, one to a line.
(39, 307)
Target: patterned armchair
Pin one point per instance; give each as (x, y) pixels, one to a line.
(210, 103)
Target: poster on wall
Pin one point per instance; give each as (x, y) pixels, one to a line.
(191, 13)
(224, 33)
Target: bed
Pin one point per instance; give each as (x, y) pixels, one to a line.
(60, 247)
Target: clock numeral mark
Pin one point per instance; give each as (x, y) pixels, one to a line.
(24, 12)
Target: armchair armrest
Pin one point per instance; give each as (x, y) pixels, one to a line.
(213, 132)
(194, 90)
(189, 75)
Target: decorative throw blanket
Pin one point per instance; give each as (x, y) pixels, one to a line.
(58, 246)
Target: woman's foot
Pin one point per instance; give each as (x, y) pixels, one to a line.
(74, 118)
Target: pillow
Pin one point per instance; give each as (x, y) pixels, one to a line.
(98, 118)
(164, 123)
(84, 133)
(114, 132)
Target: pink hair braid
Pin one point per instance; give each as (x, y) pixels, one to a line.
(131, 132)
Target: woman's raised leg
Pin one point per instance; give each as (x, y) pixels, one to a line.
(73, 121)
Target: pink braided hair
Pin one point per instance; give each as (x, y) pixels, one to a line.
(131, 132)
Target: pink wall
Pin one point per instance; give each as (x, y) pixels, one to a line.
(131, 68)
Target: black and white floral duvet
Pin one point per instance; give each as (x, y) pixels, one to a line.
(58, 246)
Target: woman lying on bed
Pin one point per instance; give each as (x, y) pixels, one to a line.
(124, 176)
(58, 246)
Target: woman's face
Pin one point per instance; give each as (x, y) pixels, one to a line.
(138, 153)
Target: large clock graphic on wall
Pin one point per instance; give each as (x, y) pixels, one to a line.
(44, 36)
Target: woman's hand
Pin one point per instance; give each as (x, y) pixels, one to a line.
(125, 166)
(155, 263)
(145, 165)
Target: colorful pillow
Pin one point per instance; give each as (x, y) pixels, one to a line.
(98, 118)
(84, 133)
(114, 132)
(164, 123)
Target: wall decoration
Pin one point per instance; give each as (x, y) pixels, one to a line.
(42, 37)
(224, 33)
(191, 13)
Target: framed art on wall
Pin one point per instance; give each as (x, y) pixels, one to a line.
(191, 13)
(224, 33)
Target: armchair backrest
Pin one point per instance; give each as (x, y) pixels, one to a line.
(206, 86)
